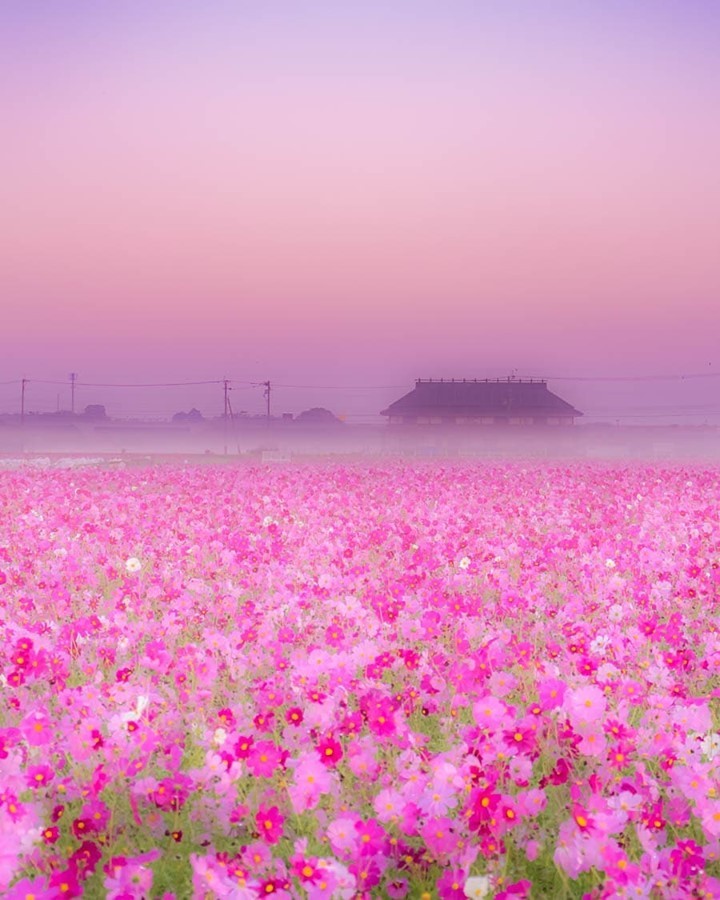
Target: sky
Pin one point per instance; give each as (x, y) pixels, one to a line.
(354, 195)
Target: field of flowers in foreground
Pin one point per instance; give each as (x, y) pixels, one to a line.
(440, 680)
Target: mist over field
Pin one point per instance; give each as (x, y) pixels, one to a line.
(278, 445)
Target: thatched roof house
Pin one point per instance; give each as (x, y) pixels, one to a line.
(489, 402)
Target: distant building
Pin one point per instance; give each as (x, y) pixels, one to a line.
(515, 401)
(95, 411)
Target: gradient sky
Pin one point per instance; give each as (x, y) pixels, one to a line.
(360, 193)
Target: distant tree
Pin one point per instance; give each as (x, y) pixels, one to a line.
(193, 416)
(318, 415)
(95, 411)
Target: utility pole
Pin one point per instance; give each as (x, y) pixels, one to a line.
(267, 395)
(73, 376)
(22, 401)
(225, 414)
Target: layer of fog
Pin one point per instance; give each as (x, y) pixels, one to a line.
(276, 443)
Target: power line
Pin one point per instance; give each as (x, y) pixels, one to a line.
(344, 387)
(628, 377)
(662, 410)
(127, 385)
(664, 415)
(367, 387)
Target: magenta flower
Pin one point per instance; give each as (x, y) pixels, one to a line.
(311, 776)
(26, 887)
(65, 881)
(381, 719)
(264, 758)
(306, 870)
(451, 885)
(440, 836)
(37, 729)
(687, 859)
(294, 716)
(583, 819)
(371, 837)
(367, 874)
(243, 747)
(38, 776)
(484, 803)
(269, 823)
(551, 692)
(82, 827)
(330, 751)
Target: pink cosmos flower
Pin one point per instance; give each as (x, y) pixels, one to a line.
(520, 739)
(257, 857)
(65, 881)
(531, 802)
(371, 837)
(342, 836)
(551, 692)
(269, 823)
(451, 885)
(243, 747)
(585, 705)
(326, 883)
(381, 719)
(306, 869)
(367, 871)
(709, 812)
(687, 859)
(490, 713)
(37, 729)
(438, 798)
(26, 887)
(502, 683)
(593, 741)
(569, 850)
(483, 804)
(397, 889)
(440, 836)
(361, 759)
(518, 890)
(330, 751)
(264, 758)
(311, 780)
(294, 716)
(38, 776)
(388, 805)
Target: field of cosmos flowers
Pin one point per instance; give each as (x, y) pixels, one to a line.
(438, 679)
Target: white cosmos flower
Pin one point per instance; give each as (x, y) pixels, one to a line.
(609, 563)
(464, 562)
(615, 613)
(600, 644)
(711, 745)
(477, 887)
(133, 564)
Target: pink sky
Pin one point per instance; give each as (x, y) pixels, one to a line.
(360, 194)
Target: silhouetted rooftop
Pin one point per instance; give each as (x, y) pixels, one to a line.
(474, 397)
